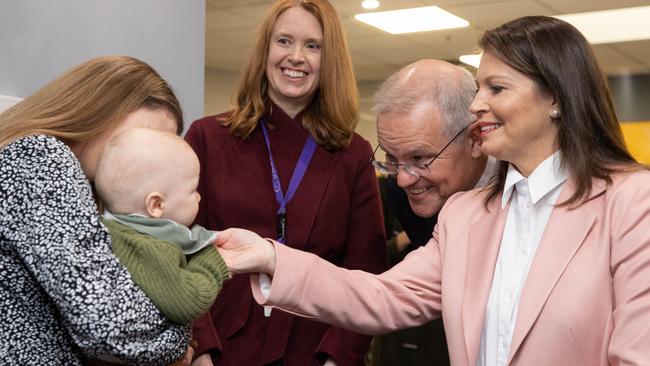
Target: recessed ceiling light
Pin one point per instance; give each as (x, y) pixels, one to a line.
(370, 4)
(610, 26)
(411, 20)
(472, 60)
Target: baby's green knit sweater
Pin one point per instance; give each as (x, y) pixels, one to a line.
(183, 288)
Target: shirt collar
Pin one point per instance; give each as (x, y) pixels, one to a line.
(189, 241)
(548, 175)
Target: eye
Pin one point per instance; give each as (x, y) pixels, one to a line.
(284, 41)
(391, 159)
(496, 89)
(314, 46)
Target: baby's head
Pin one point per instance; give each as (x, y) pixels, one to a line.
(149, 172)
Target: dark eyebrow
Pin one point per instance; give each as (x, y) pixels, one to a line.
(498, 77)
(287, 35)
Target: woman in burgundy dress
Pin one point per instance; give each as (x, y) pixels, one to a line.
(285, 162)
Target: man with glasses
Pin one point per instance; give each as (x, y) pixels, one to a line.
(422, 119)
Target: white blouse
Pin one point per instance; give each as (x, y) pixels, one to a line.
(533, 199)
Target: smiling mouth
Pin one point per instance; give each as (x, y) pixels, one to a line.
(294, 74)
(418, 191)
(488, 127)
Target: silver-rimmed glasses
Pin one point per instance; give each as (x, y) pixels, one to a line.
(388, 167)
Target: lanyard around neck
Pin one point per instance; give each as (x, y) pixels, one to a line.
(296, 177)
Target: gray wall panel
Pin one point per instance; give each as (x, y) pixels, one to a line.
(40, 39)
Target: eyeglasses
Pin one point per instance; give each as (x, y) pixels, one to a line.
(388, 167)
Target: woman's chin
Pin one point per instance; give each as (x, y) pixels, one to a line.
(491, 150)
(487, 148)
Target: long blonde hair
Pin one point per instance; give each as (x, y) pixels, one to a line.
(86, 101)
(333, 113)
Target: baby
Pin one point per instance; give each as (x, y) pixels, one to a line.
(147, 180)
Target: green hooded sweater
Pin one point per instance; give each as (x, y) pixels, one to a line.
(183, 288)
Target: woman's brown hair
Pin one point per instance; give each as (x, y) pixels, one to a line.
(86, 101)
(333, 113)
(559, 59)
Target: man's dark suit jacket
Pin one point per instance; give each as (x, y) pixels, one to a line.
(425, 345)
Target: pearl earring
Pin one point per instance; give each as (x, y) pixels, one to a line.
(555, 114)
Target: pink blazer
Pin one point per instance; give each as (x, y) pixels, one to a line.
(586, 300)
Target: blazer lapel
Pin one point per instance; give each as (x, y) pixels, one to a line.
(304, 206)
(484, 240)
(564, 234)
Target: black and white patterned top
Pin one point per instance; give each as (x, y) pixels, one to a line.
(62, 291)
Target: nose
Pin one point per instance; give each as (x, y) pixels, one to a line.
(404, 178)
(478, 105)
(296, 53)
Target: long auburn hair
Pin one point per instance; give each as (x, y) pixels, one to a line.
(86, 101)
(559, 59)
(333, 113)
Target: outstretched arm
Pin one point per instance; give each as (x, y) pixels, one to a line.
(304, 284)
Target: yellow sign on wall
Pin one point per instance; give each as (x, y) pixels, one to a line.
(637, 139)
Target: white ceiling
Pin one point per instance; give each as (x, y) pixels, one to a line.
(231, 24)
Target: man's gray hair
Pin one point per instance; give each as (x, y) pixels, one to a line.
(450, 88)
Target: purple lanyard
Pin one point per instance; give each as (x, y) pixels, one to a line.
(296, 177)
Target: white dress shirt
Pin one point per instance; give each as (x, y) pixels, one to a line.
(533, 199)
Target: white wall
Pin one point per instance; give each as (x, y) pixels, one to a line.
(7, 102)
(220, 84)
(367, 126)
(41, 39)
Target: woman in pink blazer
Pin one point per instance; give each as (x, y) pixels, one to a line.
(549, 265)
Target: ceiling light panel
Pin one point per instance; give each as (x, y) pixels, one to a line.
(370, 4)
(611, 26)
(412, 20)
(472, 60)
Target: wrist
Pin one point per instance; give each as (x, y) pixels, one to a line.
(270, 257)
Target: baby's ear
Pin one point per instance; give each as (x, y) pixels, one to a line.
(155, 205)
